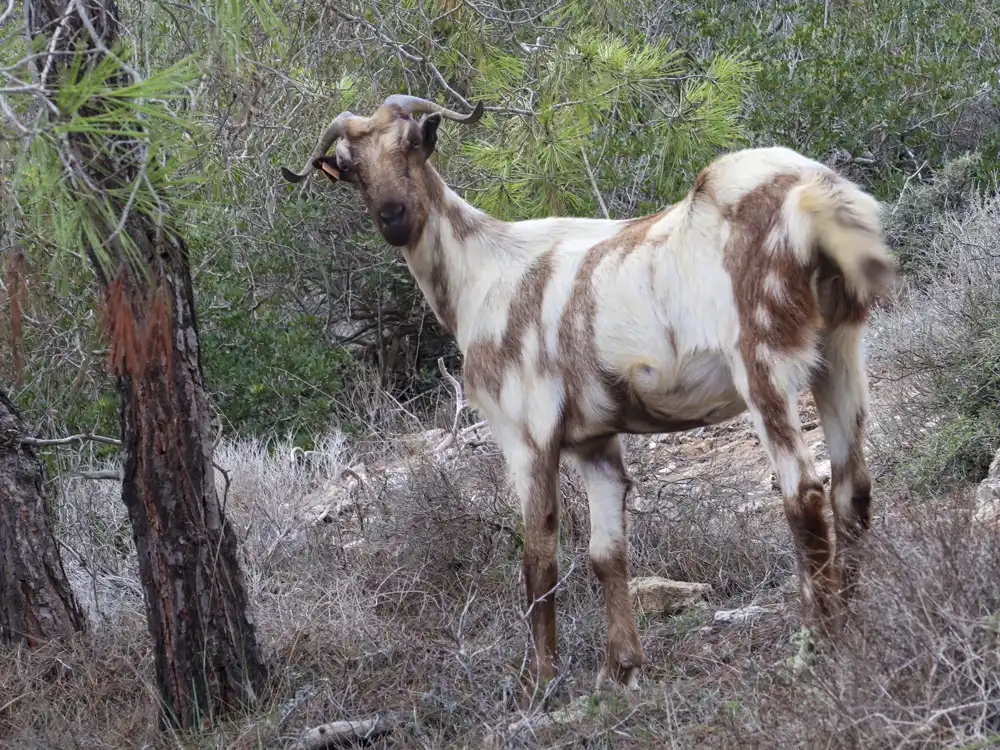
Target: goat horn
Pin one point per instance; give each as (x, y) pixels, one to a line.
(333, 131)
(415, 106)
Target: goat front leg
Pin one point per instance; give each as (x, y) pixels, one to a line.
(607, 485)
(534, 472)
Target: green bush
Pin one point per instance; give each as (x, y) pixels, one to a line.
(899, 85)
(940, 343)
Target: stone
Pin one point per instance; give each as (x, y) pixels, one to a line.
(988, 495)
(760, 505)
(660, 596)
(740, 616)
(574, 713)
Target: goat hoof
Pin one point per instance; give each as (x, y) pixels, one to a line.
(618, 678)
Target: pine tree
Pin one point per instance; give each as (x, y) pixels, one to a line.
(36, 601)
(108, 184)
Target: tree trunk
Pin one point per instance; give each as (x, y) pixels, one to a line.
(207, 658)
(36, 602)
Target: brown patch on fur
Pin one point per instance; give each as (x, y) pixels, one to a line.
(837, 306)
(852, 526)
(793, 316)
(486, 361)
(624, 650)
(633, 415)
(701, 182)
(463, 223)
(441, 289)
(576, 329)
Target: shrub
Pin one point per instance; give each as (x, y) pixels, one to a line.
(940, 344)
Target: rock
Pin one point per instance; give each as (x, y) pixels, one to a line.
(740, 616)
(575, 712)
(661, 596)
(760, 504)
(988, 495)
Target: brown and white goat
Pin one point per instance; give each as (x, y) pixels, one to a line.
(754, 285)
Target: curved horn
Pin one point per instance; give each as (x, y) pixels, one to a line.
(333, 131)
(415, 106)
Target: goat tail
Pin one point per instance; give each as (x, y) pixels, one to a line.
(844, 226)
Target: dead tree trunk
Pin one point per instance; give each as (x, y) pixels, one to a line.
(36, 601)
(206, 654)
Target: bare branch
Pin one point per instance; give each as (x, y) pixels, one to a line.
(342, 733)
(112, 475)
(460, 405)
(593, 183)
(7, 11)
(71, 440)
(403, 51)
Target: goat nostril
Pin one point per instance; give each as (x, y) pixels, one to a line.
(391, 212)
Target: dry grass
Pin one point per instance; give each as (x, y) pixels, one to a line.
(410, 599)
(424, 618)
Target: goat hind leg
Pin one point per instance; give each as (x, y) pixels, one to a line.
(841, 393)
(770, 393)
(607, 485)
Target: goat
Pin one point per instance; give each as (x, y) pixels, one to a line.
(757, 283)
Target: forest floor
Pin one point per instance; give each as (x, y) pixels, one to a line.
(394, 589)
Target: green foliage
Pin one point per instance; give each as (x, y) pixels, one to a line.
(966, 384)
(267, 377)
(619, 101)
(61, 214)
(943, 234)
(917, 215)
(955, 452)
(267, 370)
(900, 84)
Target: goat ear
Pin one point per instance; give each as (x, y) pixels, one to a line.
(328, 166)
(428, 133)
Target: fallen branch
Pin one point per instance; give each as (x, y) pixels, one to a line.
(341, 733)
(78, 439)
(115, 475)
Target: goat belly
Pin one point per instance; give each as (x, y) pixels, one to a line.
(695, 390)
